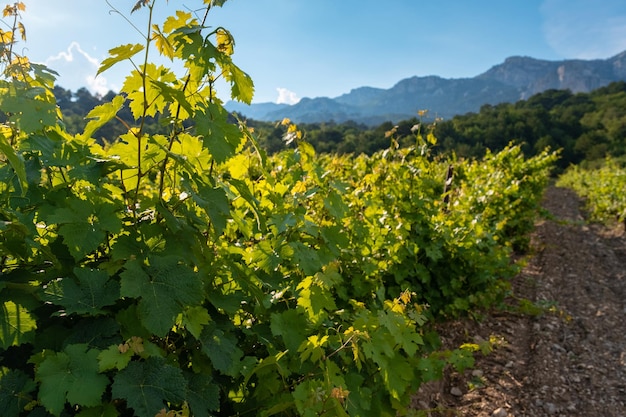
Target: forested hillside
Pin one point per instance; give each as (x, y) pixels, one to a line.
(586, 126)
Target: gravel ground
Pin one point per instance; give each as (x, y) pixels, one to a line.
(568, 359)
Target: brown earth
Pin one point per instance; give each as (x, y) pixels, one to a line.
(567, 358)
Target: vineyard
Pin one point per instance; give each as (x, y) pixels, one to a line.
(192, 274)
(603, 188)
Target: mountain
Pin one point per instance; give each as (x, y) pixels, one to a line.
(534, 76)
(255, 111)
(517, 78)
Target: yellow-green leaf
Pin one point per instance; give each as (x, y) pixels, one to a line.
(102, 114)
(119, 54)
(162, 43)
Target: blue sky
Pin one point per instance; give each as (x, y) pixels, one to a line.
(313, 48)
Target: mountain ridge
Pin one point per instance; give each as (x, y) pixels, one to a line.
(517, 78)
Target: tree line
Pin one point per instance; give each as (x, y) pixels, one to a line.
(587, 127)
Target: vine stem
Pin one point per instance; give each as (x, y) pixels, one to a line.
(139, 134)
(175, 132)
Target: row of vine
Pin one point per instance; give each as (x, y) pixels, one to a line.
(603, 189)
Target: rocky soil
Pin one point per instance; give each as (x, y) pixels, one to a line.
(566, 358)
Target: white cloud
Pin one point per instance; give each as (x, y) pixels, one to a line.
(77, 68)
(68, 55)
(286, 97)
(98, 85)
(585, 29)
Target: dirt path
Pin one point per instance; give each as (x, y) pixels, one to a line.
(568, 360)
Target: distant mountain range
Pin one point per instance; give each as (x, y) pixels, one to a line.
(516, 79)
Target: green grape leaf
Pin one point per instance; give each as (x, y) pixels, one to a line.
(219, 136)
(245, 192)
(104, 410)
(84, 225)
(30, 108)
(241, 85)
(70, 376)
(335, 205)
(173, 95)
(81, 238)
(194, 319)
(54, 151)
(114, 358)
(431, 369)
(461, 359)
(215, 202)
(46, 76)
(292, 326)
(315, 299)
(101, 115)
(118, 54)
(203, 395)
(306, 257)
(15, 389)
(15, 159)
(87, 294)
(266, 256)
(222, 349)
(165, 288)
(16, 325)
(398, 375)
(148, 385)
(97, 332)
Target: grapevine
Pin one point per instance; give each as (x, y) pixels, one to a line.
(189, 273)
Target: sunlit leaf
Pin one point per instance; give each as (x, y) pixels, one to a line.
(118, 54)
(179, 21)
(31, 108)
(242, 86)
(225, 41)
(101, 115)
(162, 43)
(16, 324)
(219, 136)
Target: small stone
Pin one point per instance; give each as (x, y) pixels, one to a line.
(499, 412)
(456, 391)
(477, 373)
(550, 408)
(557, 347)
